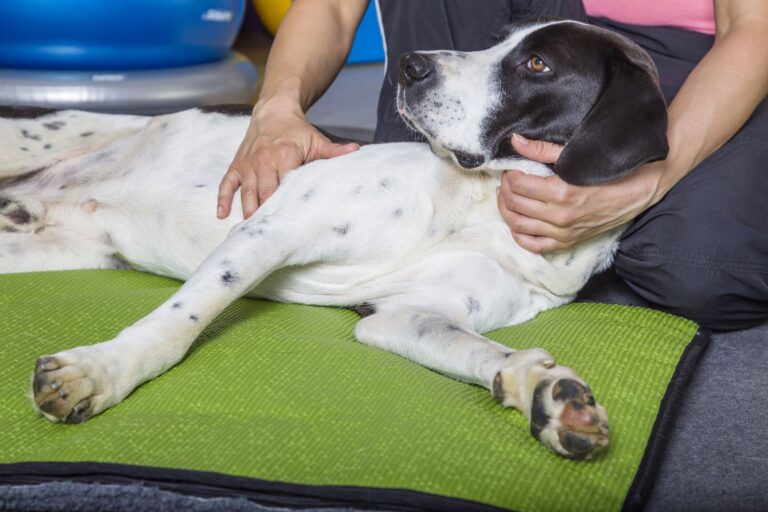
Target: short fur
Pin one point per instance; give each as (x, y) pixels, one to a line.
(412, 239)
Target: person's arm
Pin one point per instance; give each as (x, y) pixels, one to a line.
(308, 51)
(717, 98)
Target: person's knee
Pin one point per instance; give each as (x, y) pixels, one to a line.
(715, 298)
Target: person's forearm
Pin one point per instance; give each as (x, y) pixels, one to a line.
(309, 49)
(719, 95)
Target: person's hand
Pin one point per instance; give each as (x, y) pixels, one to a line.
(278, 140)
(547, 214)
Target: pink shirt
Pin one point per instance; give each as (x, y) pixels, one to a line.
(696, 15)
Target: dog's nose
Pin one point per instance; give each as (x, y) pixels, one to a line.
(414, 66)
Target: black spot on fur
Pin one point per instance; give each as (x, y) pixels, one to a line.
(176, 305)
(194, 318)
(473, 305)
(498, 388)
(386, 183)
(427, 326)
(308, 195)
(48, 146)
(398, 213)
(341, 230)
(4, 202)
(9, 229)
(568, 389)
(255, 232)
(365, 309)
(24, 148)
(54, 125)
(30, 136)
(539, 416)
(570, 259)
(200, 185)
(229, 278)
(86, 134)
(19, 216)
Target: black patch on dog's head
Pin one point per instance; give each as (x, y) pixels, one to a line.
(601, 98)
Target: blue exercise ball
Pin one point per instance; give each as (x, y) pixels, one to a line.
(116, 34)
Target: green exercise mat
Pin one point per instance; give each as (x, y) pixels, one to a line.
(280, 401)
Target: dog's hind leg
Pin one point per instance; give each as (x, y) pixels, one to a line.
(37, 142)
(562, 412)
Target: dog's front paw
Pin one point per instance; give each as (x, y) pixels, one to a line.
(562, 411)
(71, 386)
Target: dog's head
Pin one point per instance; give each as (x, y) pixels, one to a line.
(555, 80)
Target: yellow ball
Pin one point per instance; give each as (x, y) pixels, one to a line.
(271, 12)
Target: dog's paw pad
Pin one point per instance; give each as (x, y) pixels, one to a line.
(566, 417)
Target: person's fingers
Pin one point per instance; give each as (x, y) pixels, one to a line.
(327, 149)
(547, 236)
(551, 190)
(521, 204)
(289, 157)
(538, 244)
(536, 150)
(249, 194)
(528, 226)
(266, 184)
(229, 184)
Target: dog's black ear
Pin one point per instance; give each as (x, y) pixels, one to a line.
(626, 128)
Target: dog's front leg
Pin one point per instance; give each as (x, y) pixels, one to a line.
(76, 384)
(560, 407)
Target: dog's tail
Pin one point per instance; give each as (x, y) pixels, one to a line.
(32, 139)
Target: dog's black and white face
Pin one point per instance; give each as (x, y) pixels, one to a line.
(555, 80)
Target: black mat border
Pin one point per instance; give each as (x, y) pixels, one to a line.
(647, 471)
(216, 485)
(205, 484)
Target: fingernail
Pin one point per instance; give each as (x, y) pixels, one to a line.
(220, 211)
(519, 138)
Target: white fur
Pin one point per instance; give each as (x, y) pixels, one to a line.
(390, 225)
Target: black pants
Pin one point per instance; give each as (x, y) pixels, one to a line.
(702, 252)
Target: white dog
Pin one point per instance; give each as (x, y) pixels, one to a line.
(413, 240)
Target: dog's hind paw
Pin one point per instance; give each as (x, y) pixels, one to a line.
(562, 411)
(20, 215)
(70, 387)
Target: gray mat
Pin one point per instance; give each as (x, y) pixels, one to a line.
(77, 497)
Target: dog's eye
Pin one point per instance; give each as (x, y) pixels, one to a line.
(537, 65)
